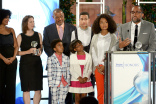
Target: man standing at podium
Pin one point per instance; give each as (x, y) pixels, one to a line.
(137, 30)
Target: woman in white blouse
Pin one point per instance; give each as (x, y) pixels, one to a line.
(104, 39)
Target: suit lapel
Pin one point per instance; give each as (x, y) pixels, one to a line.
(63, 60)
(65, 31)
(56, 60)
(55, 30)
(129, 30)
(141, 29)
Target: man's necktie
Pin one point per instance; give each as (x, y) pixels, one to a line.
(136, 35)
(60, 32)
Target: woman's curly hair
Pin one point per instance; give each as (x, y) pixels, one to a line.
(3, 14)
(111, 24)
(73, 45)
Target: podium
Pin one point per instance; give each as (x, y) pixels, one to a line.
(128, 77)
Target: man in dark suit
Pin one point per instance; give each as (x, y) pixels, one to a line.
(137, 30)
(58, 30)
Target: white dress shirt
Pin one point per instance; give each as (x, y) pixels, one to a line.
(83, 35)
(133, 31)
(103, 44)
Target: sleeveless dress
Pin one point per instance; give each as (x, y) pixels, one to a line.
(31, 71)
(7, 72)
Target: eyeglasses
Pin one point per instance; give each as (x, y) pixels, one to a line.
(137, 12)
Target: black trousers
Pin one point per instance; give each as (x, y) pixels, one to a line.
(93, 83)
(69, 98)
(7, 82)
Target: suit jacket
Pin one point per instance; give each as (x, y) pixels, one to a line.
(75, 68)
(55, 70)
(94, 44)
(147, 35)
(50, 33)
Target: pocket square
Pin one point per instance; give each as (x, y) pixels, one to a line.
(144, 33)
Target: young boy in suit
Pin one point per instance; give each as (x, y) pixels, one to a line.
(58, 73)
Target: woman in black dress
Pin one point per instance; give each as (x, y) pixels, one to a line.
(8, 61)
(31, 72)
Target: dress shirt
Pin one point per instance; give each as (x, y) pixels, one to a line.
(133, 31)
(58, 28)
(59, 57)
(103, 44)
(83, 35)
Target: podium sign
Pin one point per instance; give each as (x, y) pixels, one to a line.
(130, 78)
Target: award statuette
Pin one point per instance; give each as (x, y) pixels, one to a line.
(138, 46)
(33, 45)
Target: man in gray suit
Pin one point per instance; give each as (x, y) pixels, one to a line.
(58, 30)
(137, 30)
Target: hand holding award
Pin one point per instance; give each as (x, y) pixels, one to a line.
(34, 45)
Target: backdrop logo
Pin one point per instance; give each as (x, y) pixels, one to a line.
(124, 65)
(19, 17)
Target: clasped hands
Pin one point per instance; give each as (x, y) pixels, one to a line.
(8, 61)
(124, 43)
(82, 80)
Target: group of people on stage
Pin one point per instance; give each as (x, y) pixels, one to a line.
(75, 55)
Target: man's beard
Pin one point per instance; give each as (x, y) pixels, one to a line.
(137, 20)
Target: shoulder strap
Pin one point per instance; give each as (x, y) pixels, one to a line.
(22, 35)
(76, 37)
(92, 34)
(87, 48)
(37, 36)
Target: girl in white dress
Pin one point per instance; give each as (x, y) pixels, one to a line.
(80, 69)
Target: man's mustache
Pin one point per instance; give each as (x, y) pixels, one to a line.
(134, 16)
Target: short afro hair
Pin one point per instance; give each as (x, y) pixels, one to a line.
(73, 45)
(84, 13)
(54, 42)
(3, 14)
(111, 24)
